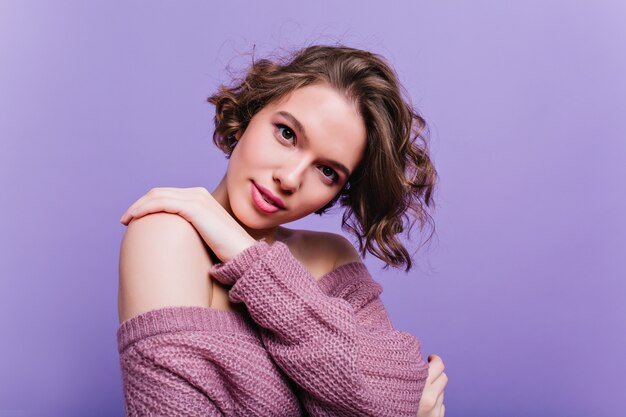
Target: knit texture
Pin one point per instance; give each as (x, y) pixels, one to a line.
(322, 348)
(197, 361)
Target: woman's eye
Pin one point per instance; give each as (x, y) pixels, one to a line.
(330, 173)
(286, 133)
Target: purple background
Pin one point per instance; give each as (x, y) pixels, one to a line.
(522, 291)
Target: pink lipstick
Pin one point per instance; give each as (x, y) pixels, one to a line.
(265, 200)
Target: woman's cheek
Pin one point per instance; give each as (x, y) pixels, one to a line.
(262, 151)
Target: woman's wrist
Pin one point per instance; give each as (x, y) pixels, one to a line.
(228, 272)
(244, 243)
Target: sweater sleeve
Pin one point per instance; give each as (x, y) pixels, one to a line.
(342, 352)
(197, 361)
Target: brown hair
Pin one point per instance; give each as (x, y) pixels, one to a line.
(395, 176)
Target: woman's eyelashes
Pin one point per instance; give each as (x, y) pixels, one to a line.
(290, 133)
(330, 173)
(284, 130)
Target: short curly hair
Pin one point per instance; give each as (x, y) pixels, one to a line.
(394, 182)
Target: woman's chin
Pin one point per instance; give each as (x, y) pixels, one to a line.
(255, 221)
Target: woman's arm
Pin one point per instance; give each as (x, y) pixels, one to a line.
(177, 355)
(162, 263)
(340, 349)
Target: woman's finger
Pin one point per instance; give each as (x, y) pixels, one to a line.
(128, 213)
(154, 205)
(439, 405)
(440, 383)
(435, 367)
(140, 207)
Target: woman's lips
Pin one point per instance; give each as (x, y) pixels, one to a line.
(270, 196)
(261, 199)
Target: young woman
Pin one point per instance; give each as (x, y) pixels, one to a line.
(224, 311)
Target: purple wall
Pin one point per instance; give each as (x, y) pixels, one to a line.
(522, 291)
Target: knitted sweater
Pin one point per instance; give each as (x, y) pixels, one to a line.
(322, 348)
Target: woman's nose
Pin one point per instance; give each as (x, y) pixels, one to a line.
(289, 176)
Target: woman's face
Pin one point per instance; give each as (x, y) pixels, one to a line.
(301, 149)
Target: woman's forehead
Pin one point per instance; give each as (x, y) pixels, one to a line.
(319, 105)
(313, 95)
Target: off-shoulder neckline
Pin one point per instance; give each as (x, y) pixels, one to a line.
(332, 272)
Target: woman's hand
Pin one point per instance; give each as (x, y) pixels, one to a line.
(215, 225)
(431, 404)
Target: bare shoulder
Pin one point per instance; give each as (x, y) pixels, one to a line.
(160, 233)
(163, 262)
(155, 224)
(321, 252)
(345, 252)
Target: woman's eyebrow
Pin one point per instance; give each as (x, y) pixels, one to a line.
(341, 167)
(295, 121)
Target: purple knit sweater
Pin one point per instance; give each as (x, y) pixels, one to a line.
(322, 348)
